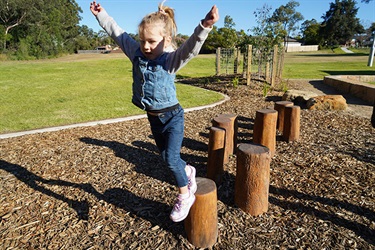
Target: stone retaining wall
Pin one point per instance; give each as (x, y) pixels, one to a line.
(354, 85)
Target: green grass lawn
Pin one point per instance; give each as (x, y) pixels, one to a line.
(316, 65)
(79, 88)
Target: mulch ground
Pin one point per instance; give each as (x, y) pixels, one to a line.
(105, 187)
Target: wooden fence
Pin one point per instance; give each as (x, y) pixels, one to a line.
(255, 63)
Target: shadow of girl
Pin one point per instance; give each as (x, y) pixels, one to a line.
(156, 213)
(144, 157)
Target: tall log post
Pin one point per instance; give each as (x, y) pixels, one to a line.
(201, 225)
(274, 65)
(267, 73)
(291, 130)
(215, 162)
(234, 129)
(248, 63)
(252, 178)
(218, 58)
(226, 124)
(280, 107)
(264, 132)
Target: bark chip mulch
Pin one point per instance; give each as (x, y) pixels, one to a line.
(105, 187)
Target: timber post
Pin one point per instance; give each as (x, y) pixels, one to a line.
(249, 58)
(291, 130)
(252, 178)
(218, 57)
(234, 128)
(280, 108)
(215, 162)
(274, 65)
(264, 132)
(226, 122)
(201, 225)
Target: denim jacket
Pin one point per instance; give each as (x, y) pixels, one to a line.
(153, 80)
(153, 86)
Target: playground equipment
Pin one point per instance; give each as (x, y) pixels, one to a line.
(253, 168)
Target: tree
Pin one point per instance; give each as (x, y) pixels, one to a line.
(228, 33)
(310, 32)
(12, 14)
(266, 35)
(340, 22)
(41, 29)
(371, 29)
(86, 39)
(180, 39)
(225, 37)
(288, 17)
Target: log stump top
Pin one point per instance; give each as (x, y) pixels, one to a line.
(221, 119)
(285, 103)
(252, 148)
(266, 111)
(230, 116)
(205, 186)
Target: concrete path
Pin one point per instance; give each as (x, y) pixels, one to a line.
(346, 50)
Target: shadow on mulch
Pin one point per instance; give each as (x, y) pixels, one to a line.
(142, 150)
(152, 211)
(156, 212)
(361, 230)
(226, 195)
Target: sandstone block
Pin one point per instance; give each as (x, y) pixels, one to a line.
(298, 96)
(327, 102)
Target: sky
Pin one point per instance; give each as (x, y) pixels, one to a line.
(128, 13)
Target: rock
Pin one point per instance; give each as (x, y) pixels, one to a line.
(298, 97)
(327, 102)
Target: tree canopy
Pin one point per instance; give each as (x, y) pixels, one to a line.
(340, 22)
(45, 28)
(40, 28)
(288, 17)
(310, 30)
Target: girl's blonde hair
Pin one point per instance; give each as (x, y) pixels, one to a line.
(164, 15)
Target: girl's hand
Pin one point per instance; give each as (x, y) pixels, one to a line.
(211, 18)
(95, 8)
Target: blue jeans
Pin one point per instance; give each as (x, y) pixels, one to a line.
(168, 131)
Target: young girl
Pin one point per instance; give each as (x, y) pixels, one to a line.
(155, 63)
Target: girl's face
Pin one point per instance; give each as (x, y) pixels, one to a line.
(153, 42)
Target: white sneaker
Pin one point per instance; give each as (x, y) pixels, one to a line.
(192, 186)
(181, 209)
